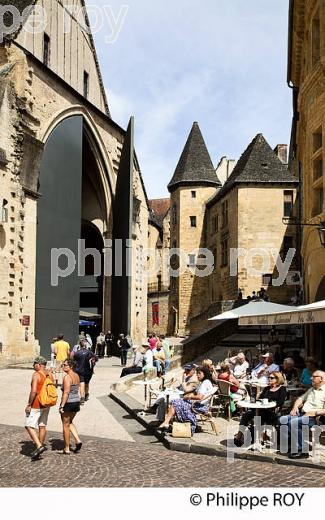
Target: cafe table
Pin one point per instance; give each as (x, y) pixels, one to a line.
(258, 406)
(146, 384)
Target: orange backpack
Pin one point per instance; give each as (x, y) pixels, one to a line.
(48, 395)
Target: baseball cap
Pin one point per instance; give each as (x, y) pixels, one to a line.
(40, 360)
(267, 354)
(188, 366)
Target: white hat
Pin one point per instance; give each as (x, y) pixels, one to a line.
(134, 346)
(267, 354)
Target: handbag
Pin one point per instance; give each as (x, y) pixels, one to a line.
(181, 429)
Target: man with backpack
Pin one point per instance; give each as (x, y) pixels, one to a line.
(86, 361)
(36, 412)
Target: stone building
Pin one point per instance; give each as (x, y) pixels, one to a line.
(243, 213)
(194, 182)
(158, 261)
(68, 172)
(245, 225)
(306, 58)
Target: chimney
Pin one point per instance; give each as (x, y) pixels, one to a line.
(281, 150)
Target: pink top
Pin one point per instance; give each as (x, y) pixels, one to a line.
(153, 342)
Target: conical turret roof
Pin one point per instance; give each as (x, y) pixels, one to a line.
(194, 167)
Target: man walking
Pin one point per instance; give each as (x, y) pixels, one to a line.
(36, 415)
(109, 340)
(62, 352)
(100, 343)
(85, 360)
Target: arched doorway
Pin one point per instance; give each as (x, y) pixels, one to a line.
(72, 206)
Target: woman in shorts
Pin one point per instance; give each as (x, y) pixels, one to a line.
(70, 405)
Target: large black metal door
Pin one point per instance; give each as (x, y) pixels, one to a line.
(59, 227)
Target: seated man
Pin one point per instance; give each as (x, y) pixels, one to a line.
(136, 364)
(264, 368)
(159, 358)
(289, 371)
(239, 365)
(312, 404)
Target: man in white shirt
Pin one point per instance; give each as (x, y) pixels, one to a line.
(239, 365)
(264, 368)
(312, 404)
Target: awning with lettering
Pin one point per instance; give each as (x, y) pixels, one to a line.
(301, 315)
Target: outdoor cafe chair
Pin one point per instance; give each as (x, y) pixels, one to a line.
(207, 417)
(222, 401)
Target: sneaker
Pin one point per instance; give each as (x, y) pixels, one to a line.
(82, 401)
(38, 452)
(87, 397)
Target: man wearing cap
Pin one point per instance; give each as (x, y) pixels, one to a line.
(36, 415)
(137, 363)
(264, 368)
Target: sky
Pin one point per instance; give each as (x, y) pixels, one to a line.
(172, 62)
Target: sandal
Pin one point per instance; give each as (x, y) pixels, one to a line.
(78, 447)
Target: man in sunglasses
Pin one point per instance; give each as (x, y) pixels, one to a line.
(36, 415)
(303, 416)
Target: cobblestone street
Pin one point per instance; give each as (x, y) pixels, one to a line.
(111, 463)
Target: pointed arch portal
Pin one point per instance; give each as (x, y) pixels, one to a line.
(63, 218)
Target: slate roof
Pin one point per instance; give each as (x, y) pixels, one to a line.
(257, 165)
(194, 166)
(159, 208)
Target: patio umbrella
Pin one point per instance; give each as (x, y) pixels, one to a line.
(251, 313)
(252, 310)
(303, 314)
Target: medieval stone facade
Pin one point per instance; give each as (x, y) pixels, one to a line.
(239, 225)
(306, 78)
(46, 79)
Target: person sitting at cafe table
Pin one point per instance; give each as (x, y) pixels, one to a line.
(235, 392)
(276, 392)
(289, 371)
(305, 379)
(239, 365)
(183, 408)
(304, 412)
(188, 385)
(209, 363)
(264, 368)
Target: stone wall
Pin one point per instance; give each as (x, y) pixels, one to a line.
(162, 299)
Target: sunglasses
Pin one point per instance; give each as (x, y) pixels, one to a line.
(272, 377)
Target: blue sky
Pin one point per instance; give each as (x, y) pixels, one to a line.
(219, 62)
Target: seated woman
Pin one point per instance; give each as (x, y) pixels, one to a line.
(214, 373)
(275, 391)
(182, 408)
(236, 393)
(311, 366)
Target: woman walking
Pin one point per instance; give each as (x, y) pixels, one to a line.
(70, 405)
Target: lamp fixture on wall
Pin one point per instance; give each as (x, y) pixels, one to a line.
(320, 227)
